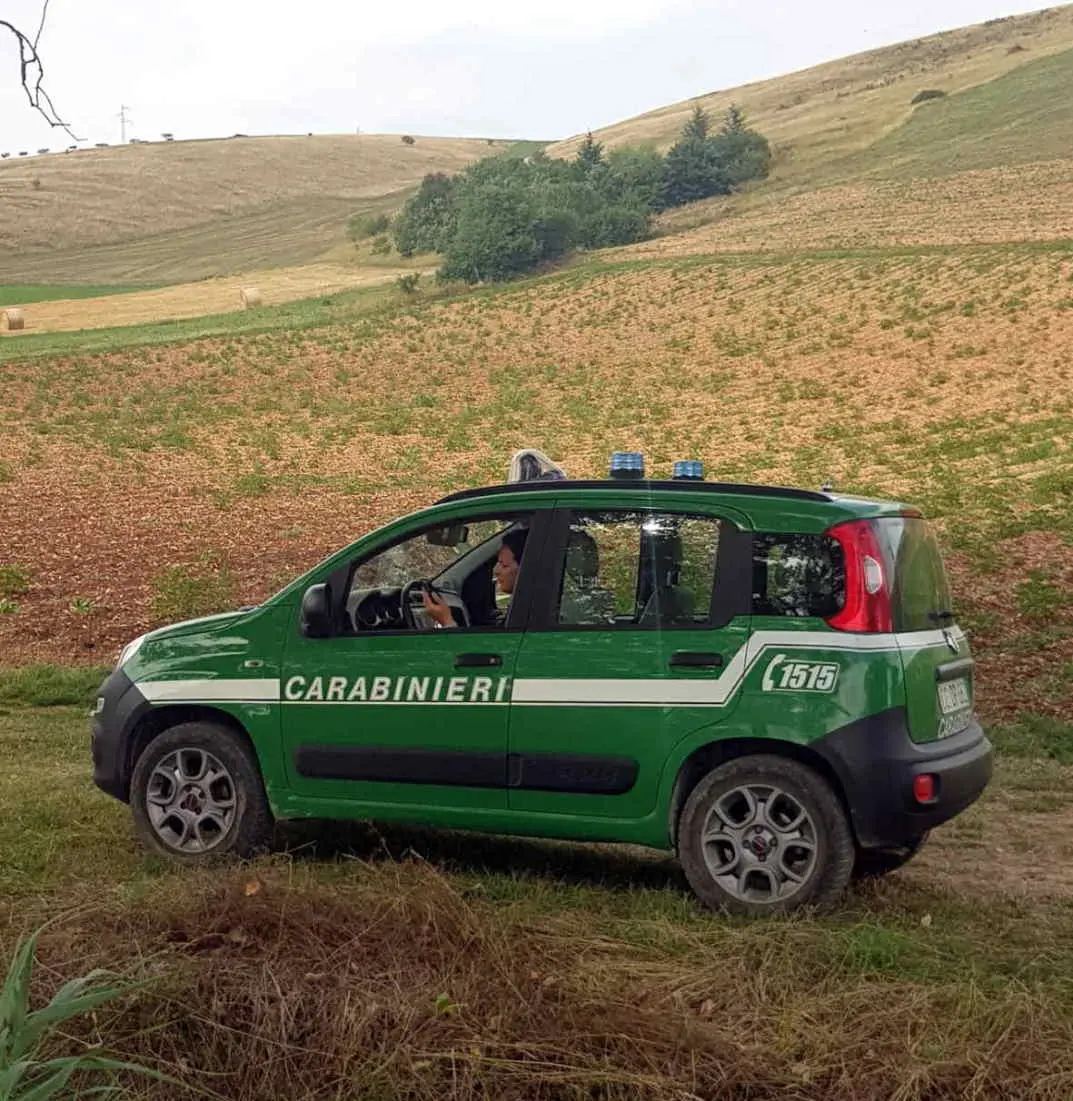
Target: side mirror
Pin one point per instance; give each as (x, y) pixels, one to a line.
(317, 612)
(450, 535)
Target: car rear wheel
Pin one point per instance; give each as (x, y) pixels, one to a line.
(765, 835)
(197, 795)
(874, 863)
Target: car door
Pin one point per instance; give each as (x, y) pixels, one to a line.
(641, 641)
(408, 715)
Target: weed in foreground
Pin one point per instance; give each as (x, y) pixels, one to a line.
(25, 1074)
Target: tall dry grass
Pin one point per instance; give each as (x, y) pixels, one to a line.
(394, 981)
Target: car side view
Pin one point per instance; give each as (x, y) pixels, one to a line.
(768, 681)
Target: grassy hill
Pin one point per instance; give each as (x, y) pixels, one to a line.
(818, 116)
(173, 212)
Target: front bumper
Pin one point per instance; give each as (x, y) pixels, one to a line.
(119, 707)
(876, 761)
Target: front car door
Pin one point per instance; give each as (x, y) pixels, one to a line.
(639, 642)
(387, 712)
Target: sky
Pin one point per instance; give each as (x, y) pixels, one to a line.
(535, 69)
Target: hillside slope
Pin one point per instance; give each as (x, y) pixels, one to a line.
(184, 210)
(817, 116)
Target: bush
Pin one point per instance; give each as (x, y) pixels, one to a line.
(360, 226)
(381, 246)
(428, 220)
(408, 283)
(407, 140)
(926, 94)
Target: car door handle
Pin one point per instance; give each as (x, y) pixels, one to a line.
(477, 661)
(695, 659)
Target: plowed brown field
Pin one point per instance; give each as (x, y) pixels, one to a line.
(942, 380)
(1024, 203)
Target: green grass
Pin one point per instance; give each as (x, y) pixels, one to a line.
(389, 962)
(50, 685)
(1024, 116)
(14, 295)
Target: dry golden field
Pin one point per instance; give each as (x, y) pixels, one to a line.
(209, 296)
(173, 212)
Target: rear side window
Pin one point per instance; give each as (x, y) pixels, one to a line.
(798, 575)
(919, 591)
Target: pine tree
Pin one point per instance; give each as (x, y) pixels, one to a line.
(590, 155)
(734, 120)
(697, 126)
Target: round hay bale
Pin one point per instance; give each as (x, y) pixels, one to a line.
(250, 298)
(14, 320)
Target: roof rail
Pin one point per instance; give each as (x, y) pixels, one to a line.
(644, 486)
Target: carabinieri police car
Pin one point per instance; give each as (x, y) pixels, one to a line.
(769, 681)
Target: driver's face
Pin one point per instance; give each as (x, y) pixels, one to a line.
(506, 570)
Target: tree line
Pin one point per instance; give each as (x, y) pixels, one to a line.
(504, 216)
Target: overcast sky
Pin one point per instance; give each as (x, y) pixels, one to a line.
(488, 68)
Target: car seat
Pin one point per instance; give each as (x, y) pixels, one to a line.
(661, 599)
(583, 600)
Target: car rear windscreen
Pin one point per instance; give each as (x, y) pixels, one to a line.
(920, 593)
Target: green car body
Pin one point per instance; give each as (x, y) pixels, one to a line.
(589, 725)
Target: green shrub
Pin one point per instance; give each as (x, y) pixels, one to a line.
(926, 94)
(14, 580)
(361, 226)
(381, 245)
(408, 283)
(428, 220)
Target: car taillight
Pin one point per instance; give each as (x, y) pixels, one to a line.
(867, 608)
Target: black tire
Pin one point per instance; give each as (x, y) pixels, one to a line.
(875, 863)
(818, 851)
(224, 814)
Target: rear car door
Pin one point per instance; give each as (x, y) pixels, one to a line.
(637, 638)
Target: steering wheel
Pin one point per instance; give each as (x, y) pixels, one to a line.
(407, 608)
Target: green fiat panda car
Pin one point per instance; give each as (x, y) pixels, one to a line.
(770, 682)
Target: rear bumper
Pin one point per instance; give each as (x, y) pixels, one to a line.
(876, 762)
(119, 707)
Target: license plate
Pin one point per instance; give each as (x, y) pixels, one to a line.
(954, 696)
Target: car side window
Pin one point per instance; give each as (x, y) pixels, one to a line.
(638, 568)
(797, 575)
(459, 559)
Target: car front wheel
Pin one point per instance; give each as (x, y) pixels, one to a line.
(197, 795)
(765, 835)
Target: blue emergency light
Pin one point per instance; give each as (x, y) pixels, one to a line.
(689, 470)
(627, 464)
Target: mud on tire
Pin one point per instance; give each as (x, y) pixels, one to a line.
(197, 795)
(765, 835)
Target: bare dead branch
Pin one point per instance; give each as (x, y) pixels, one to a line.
(32, 74)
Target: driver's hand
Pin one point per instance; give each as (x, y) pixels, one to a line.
(438, 609)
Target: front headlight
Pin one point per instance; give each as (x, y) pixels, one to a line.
(129, 651)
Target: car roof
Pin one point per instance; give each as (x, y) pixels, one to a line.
(642, 485)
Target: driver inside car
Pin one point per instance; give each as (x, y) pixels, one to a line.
(508, 562)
